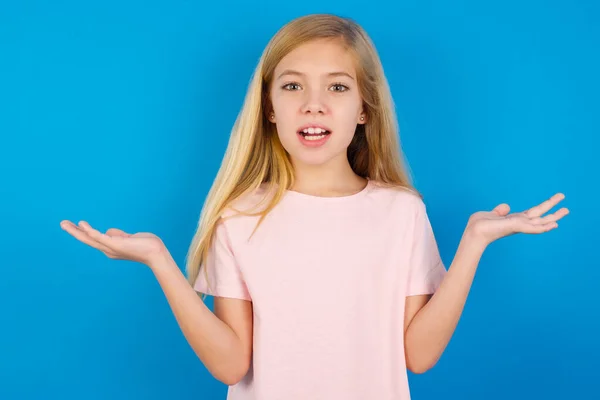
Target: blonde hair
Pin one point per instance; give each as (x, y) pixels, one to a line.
(254, 154)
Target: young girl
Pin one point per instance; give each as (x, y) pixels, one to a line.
(326, 276)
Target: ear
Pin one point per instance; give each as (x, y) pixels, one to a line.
(362, 118)
(270, 114)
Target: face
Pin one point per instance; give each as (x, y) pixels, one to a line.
(314, 86)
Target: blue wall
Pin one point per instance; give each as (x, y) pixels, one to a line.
(119, 112)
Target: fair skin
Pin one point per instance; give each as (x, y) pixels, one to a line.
(316, 83)
(431, 320)
(223, 339)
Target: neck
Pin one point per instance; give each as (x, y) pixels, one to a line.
(335, 178)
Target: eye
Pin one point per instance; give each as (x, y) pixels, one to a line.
(340, 87)
(287, 86)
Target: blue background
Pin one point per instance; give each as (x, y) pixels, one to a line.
(118, 113)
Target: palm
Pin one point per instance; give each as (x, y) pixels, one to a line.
(499, 223)
(117, 244)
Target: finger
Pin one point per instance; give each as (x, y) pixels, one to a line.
(553, 217)
(103, 239)
(117, 232)
(545, 206)
(502, 209)
(80, 234)
(83, 237)
(528, 227)
(98, 236)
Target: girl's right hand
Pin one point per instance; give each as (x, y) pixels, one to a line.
(143, 247)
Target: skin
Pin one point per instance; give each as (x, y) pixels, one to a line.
(223, 339)
(316, 83)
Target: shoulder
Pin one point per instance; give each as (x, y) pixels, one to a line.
(251, 202)
(241, 215)
(405, 198)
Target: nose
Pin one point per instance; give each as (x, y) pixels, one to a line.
(314, 102)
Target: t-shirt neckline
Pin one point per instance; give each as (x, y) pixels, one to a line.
(330, 199)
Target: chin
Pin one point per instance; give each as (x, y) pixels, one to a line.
(320, 158)
(315, 156)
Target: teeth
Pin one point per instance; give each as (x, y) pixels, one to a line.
(314, 137)
(314, 130)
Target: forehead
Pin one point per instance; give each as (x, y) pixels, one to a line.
(318, 57)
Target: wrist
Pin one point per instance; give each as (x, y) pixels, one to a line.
(474, 241)
(161, 260)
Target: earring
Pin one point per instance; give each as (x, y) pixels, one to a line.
(272, 115)
(362, 118)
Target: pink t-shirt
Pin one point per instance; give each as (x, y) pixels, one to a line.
(327, 277)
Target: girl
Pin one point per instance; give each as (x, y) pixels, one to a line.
(326, 276)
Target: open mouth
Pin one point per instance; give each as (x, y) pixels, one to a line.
(314, 133)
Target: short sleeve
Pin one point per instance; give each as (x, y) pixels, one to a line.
(224, 275)
(426, 269)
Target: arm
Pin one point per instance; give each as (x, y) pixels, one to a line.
(222, 341)
(430, 320)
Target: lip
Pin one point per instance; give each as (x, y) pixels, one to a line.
(313, 125)
(313, 143)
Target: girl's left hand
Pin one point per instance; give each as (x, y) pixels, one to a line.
(498, 223)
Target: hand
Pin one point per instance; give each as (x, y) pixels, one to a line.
(141, 247)
(491, 226)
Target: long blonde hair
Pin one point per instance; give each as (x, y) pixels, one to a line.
(254, 154)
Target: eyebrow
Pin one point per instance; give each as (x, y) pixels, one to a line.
(330, 74)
